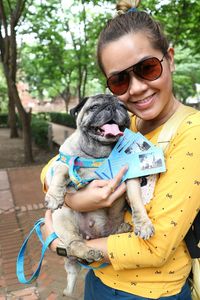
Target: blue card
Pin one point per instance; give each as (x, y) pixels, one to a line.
(134, 150)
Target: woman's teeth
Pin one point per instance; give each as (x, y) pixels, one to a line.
(144, 100)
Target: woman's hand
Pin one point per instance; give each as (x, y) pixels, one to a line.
(97, 194)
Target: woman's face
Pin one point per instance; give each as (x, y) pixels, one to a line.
(149, 100)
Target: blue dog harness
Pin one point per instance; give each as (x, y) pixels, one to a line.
(74, 163)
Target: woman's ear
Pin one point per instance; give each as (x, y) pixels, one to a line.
(170, 57)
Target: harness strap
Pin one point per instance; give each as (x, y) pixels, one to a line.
(81, 162)
(75, 163)
(77, 181)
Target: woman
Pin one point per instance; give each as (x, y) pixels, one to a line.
(138, 63)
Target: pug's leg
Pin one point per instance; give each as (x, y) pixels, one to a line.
(143, 226)
(84, 254)
(72, 268)
(116, 215)
(124, 227)
(57, 189)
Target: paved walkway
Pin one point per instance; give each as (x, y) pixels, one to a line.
(21, 204)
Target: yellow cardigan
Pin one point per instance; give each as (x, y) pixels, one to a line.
(159, 266)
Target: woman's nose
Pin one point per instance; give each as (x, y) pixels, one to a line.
(137, 85)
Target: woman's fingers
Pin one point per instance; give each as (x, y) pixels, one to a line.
(111, 189)
(97, 194)
(119, 191)
(115, 182)
(112, 183)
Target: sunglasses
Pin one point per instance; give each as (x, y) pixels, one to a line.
(149, 69)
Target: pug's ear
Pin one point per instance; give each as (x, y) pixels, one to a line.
(75, 110)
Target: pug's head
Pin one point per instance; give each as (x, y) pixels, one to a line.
(101, 118)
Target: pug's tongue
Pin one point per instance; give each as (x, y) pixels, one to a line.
(111, 130)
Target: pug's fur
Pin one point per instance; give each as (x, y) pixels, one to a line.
(89, 141)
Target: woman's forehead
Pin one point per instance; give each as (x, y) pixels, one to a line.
(126, 51)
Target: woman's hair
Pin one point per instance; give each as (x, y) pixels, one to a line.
(132, 21)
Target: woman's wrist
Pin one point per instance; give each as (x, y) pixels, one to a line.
(54, 244)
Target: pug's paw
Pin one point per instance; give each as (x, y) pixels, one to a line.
(144, 230)
(124, 227)
(93, 255)
(55, 198)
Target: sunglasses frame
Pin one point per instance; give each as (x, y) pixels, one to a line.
(133, 69)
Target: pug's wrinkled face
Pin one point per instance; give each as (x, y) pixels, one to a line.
(103, 118)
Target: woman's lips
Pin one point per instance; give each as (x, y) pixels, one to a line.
(144, 103)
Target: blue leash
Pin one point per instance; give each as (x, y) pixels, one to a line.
(20, 259)
(45, 244)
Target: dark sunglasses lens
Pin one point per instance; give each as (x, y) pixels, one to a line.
(119, 83)
(149, 69)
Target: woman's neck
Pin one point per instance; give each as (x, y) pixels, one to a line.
(146, 126)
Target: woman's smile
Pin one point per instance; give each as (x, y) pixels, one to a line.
(145, 103)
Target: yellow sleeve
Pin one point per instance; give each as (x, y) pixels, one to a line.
(44, 171)
(173, 208)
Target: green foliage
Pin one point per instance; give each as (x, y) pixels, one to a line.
(63, 53)
(62, 56)
(40, 125)
(181, 19)
(187, 73)
(3, 92)
(39, 129)
(3, 120)
(57, 117)
(62, 119)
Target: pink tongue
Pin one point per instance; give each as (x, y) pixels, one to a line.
(111, 130)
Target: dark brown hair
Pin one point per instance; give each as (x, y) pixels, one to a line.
(131, 22)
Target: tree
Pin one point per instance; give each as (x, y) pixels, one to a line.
(10, 14)
(187, 73)
(61, 59)
(181, 20)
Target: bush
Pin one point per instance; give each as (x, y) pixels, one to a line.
(4, 120)
(42, 116)
(40, 124)
(40, 132)
(62, 119)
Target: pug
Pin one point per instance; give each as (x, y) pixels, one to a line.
(100, 120)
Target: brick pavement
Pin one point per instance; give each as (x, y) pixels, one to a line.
(21, 204)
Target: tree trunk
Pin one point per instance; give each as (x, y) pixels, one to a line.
(25, 118)
(66, 95)
(8, 47)
(12, 118)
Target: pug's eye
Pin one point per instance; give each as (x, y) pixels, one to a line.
(121, 104)
(94, 107)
